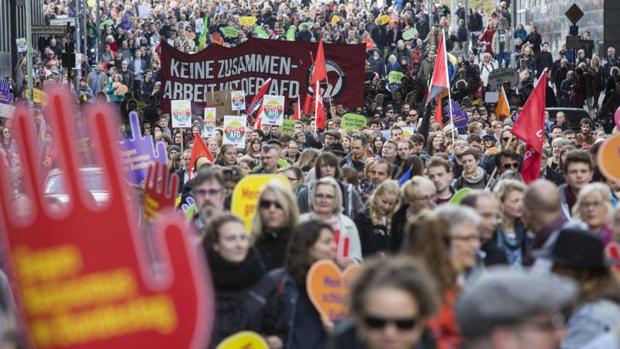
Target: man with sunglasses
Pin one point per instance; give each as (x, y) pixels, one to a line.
(507, 161)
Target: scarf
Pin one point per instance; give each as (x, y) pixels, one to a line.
(234, 277)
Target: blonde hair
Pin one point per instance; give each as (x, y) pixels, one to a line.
(505, 186)
(411, 187)
(387, 187)
(590, 189)
(285, 199)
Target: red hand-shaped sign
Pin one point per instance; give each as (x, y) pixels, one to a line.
(157, 196)
(82, 275)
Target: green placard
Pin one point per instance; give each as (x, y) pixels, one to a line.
(261, 33)
(230, 32)
(288, 125)
(409, 34)
(353, 122)
(395, 76)
(459, 195)
(290, 33)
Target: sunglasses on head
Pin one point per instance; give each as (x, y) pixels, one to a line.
(377, 322)
(268, 204)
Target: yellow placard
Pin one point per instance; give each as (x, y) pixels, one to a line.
(335, 19)
(244, 340)
(384, 19)
(247, 20)
(39, 96)
(245, 196)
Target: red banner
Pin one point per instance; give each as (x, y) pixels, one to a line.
(247, 66)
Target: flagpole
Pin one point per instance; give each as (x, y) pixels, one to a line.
(316, 107)
(445, 54)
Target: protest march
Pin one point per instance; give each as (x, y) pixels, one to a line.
(398, 174)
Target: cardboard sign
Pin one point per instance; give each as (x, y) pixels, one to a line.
(158, 196)
(234, 130)
(353, 122)
(237, 100)
(83, 278)
(244, 340)
(609, 157)
(245, 195)
(273, 110)
(138, 152)
(181, 113)
(210, 120)
(288, 127)
(501, 75)
(329, 288)
(247, 20)
(459, 116)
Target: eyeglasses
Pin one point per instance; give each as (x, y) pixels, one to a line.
(507, 139)
(511, 165)
(593, 204)
(267, 204)
(413, 114)
(377, 322)
(205, 192)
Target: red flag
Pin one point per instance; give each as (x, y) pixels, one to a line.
(199, 149)
(259, 118)
(439, 111)
(319, 73)
(308, 105)
(529, 128)
(318, 107)
(439, 82)
(297, 111)
(258, 99)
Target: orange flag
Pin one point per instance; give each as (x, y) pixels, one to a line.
(199, 149)
(502, 109)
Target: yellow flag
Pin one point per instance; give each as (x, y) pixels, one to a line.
(502, 109)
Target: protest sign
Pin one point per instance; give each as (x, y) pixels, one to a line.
(501, 75)
(244, 340)
(138, 152)
(6, 111)
(237, 100)
(39, 96)
(273, 110)
(144, 10)
(6, 97)
(384, 19)
(248, 65)
(459, 195)
(459, 116)
(246, 192)
(353, 122)
(329, 288)
(409, 34)
(210, 121)
(101, 291)
(181, 114)
(288, 127)
(408, 131)
(609, 157)
(234, 130)
(157, 196)
(394, 77)
(230, 32)
(247, 20)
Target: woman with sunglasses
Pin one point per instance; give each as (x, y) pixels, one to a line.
(275, 217)
(310, 241)
(245, 297)
(391, 300)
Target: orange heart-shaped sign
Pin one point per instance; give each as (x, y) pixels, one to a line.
(329, 288)
(609, 157)
(244, 340)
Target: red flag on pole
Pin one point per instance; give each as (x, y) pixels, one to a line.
(258, 99)
(318, 107)
(297, 111)
(259, 118)
(439, 82)
(439, 111)
(199, 149)
(320, 70)
(530, 128)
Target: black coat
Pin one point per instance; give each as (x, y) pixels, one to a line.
(271, 246)
(375, 238)
(245, 298)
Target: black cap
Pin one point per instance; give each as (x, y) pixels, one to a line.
(274, 141)
(579, 249)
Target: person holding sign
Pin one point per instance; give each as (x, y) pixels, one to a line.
(245, 297)
(309, 242)
(326, 205)
(391, 299)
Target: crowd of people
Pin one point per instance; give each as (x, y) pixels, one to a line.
(507, 264)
